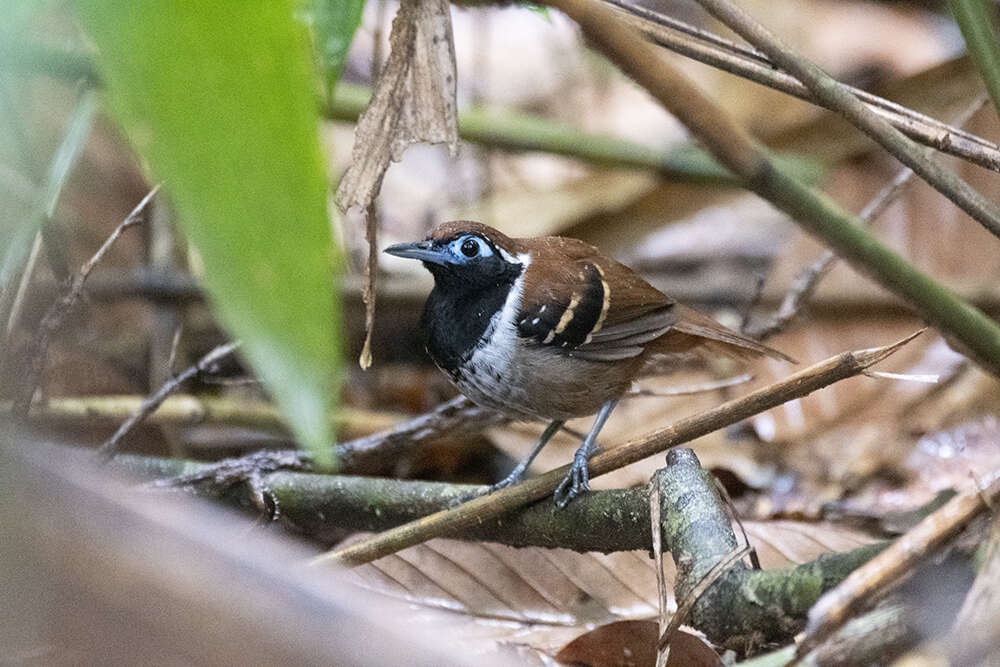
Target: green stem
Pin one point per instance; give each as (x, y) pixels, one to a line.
(515, 131)
(973, 332)
(963, 324)
(975, 20)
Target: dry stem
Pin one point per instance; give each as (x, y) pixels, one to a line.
(110, 447)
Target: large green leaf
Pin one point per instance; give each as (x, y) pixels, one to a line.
(334, 23)
(219, 98)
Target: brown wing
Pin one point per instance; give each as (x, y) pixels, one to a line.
(601, 310)
(589, 304)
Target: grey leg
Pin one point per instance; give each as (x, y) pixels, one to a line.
(517, 473)
(577, 480)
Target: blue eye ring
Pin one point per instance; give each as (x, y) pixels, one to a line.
(470, 246)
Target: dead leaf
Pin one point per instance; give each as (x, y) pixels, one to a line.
(413, 100)
(489, 597)
(618, 644)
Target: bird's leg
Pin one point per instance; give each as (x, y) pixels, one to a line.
(577, 480)
(517, 473)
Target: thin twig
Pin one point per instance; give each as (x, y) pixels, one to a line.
(204, 365)
(487, 507)
(748, 63)
(687, 604)
(871, 581)
(834, 94)
(807, 280)
(57, 312)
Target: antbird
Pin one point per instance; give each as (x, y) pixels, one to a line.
(550, 329)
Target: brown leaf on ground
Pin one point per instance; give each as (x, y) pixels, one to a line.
(489, 597)
(633, 644)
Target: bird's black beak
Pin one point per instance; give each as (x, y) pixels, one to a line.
(422, 250)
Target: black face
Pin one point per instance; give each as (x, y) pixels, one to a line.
(472, 279)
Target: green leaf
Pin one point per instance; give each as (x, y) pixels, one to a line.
(334, 23)
(219, 98)
(25, 212)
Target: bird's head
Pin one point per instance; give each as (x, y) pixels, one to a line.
(467, 255)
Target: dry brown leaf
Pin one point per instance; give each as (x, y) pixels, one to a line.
(413, 100)
(490, 597)
(633, 644)
(618, 644)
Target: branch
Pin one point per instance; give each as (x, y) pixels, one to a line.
(110, 447)
(893, 565)
(485, 508)
(840, 98)
(743, 608)
(708, 48)
(975, 333)
(741, 604)
(57, 312)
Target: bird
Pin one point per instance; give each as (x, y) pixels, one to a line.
(549, 329)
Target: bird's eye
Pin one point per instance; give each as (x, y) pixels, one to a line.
(470, 248)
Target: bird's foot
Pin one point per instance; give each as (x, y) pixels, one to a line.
(515, 477)
(576, 481)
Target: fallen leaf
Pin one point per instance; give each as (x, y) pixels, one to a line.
(619, 644)
(490, 597)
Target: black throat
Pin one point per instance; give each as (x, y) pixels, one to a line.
(459, 310)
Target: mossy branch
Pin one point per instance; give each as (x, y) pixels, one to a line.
(744, 608)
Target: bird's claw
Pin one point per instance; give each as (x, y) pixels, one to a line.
(577, 481)
(510, 480)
